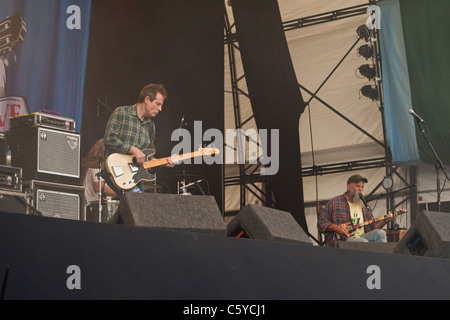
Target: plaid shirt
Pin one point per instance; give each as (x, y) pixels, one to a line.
(124, 130)
(337, 211)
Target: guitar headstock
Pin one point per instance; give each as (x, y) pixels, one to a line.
(208, 151)
(12, 33)
(398, 212)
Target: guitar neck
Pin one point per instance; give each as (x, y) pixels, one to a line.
(365, 223)
(163, 161)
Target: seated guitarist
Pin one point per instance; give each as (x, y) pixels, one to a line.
(350, 207)
(130, 129)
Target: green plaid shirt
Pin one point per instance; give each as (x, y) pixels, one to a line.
(124, 130)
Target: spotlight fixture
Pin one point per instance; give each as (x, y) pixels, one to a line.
(366, 51)
(363, 32)
(367, 71)
(370, 92)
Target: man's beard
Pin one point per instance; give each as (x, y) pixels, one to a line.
(355, 196)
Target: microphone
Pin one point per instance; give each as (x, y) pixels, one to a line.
(191, 184)
(181, 124)
(362, 199)
(415, 115)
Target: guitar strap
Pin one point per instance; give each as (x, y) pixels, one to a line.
(151, 133)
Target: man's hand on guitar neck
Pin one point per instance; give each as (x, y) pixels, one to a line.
(171, 162)
(382, 223)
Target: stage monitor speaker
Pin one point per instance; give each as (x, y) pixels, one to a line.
(264, 223)
(46, 154)
(429, 236)
(57, 200)
(191, 213)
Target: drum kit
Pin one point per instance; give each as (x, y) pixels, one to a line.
(185, 182)
(103, 209)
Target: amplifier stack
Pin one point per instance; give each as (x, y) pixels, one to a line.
(47, 150)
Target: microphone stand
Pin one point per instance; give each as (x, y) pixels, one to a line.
(437, 166)
(100, 205)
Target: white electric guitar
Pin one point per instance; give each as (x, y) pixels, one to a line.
(126, 173)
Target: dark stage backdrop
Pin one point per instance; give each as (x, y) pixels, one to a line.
(176, 43)
(276, 99)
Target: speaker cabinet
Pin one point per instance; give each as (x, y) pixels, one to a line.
(46, 154)
(429, 236)
(57, 200)
(263, 223)
(13, 202)
(191, 213)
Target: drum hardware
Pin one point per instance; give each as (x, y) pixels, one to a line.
(150, 187)
(186, 177)
(184, 187)
(95, 163)
(184, 181)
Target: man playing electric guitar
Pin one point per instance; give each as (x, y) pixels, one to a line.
(350, 207)
(130, 129)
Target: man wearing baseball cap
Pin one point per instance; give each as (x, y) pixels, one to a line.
(350, 207)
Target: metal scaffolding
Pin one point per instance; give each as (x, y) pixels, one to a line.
(249, 179)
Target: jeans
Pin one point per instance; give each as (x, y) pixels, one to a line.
(376, 235)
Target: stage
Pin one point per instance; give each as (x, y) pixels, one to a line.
(58, 259)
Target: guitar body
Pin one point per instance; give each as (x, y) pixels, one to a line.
(126, 173)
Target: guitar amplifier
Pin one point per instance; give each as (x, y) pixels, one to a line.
(57, 200)
(42, 120)
(46, 154)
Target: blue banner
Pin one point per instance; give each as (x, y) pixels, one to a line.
(43, 58)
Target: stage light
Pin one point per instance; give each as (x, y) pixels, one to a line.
(366, 51)
(363, 32)
(370, 92)
(367, 71)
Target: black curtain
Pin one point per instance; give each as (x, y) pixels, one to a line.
(176, 43)
(274, 94)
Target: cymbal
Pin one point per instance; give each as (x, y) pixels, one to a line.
(90, 162)
(185, 177)
(152, 187)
